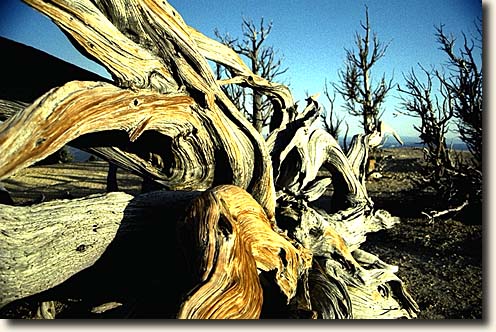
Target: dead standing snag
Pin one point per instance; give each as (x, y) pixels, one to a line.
(254, 229)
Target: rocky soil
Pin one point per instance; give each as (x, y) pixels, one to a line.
(439, 259)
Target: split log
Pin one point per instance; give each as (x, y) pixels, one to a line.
(166, 118)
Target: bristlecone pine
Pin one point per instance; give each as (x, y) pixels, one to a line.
(235, 227)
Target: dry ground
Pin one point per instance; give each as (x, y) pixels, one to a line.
(440, 260)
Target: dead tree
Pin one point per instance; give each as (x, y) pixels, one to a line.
(435, 116)
(464, 86)
(234, 222)
(363, 99)
(263, 62)
(459, 98)
(332, 123)
(235, 92)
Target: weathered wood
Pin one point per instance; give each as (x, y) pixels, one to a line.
(338, 283)
(8, 108)
(53, 118)
(33, 262)
(166, 118)
(280, 94)
(45, 72)
(231, 238)
(132, 65)
(45, 244)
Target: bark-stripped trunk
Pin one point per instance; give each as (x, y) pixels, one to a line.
(252, 230)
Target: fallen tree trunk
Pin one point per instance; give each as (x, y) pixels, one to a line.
(133, 66)
(45, 244)
(254, 235)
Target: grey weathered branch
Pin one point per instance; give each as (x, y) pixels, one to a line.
(45, 244)
(334, 236)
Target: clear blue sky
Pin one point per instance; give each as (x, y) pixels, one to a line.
(311, 36)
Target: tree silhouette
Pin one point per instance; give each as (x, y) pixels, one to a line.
(363, 98)
(464, 86)
(421, 101)
(332, 123)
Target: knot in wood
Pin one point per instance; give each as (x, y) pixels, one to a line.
(81, 248)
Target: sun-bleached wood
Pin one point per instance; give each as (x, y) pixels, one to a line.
(253, 228)
(45, 244)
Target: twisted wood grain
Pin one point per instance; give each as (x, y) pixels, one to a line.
(231, 238)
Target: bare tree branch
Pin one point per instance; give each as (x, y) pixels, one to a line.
(464, 88)
(329, 118)
(434, 116)
(264, 62)
(355, 85)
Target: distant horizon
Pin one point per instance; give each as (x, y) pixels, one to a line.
(413, 141)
